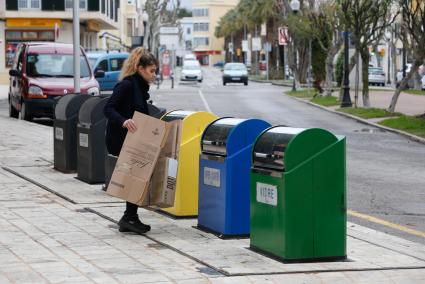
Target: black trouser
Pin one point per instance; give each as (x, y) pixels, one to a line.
(130, 209)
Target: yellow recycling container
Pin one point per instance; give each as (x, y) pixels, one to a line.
(187, 183)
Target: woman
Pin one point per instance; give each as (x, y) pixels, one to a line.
(129, 95)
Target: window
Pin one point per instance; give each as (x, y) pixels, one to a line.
(69, 4)
(54, 65)
(200, 27)
(197, 41)
(130, 27)
(188, 31)
(203, 12)
(117, 63)
(103, 65)
(29, 4)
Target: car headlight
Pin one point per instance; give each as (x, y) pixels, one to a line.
(36, 92)
(94, 91)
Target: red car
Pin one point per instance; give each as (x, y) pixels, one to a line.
(41, 72)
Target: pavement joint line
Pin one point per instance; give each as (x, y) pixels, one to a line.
(164, 244)
(386, 223)
(403, 133)
(207, 107)
(53, 191)
(386, 247)
(39, 185)
(227, 274)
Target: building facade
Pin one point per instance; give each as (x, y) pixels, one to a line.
(206, 15)
(51, 20)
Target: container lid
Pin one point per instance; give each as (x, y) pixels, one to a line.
(155, 111)
(69, 105)
(269, 150)
(177, 114)
(91, 111)
(217, 133)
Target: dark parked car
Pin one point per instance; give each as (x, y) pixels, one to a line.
(235, 73)
(43, 71)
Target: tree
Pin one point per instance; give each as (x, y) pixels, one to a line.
(413, 37)
(183, 12)
(367, 21)
(326, 29)
(157, 16)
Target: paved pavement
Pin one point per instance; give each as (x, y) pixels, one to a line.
(56, 229)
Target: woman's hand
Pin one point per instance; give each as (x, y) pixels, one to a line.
(130, 125)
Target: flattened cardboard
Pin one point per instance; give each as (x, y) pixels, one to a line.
(137, 160)
(163, 182)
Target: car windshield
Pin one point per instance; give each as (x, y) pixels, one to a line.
(191, 67)
(55, 65)
(235, 67)
(376, 71)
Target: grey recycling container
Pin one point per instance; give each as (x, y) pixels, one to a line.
(65, 132)
(91, 146)
(155, 111)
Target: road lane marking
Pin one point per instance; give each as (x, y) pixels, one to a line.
(386, 223)
(207, 107)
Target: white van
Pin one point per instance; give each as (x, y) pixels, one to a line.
(190, 56)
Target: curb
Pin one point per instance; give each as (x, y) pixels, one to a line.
(364, 121)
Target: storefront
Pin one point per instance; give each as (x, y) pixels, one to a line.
(208, 57)
(25, 30)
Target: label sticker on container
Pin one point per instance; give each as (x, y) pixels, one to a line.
(267, 193)
(212, 177)
(59, 133)
(84, 140)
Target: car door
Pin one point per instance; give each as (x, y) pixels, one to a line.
(17, 82)
(116, 66)
(104, 81)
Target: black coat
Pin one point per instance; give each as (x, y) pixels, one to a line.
(129, 95)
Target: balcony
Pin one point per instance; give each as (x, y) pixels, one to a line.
(92, 12)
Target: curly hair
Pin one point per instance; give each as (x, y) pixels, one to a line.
(138, 57)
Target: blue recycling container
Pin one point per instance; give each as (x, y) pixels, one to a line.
(224, 167)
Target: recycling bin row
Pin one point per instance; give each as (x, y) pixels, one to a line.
(282, 186)
(79, 137)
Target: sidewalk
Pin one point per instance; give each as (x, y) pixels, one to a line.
(56, 229)
(379, 98)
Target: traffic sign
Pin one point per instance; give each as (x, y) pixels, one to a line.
(283, 35)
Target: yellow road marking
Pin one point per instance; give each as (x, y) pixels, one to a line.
(386, 223)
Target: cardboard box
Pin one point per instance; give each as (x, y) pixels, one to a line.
(163, 182)
(137, 160)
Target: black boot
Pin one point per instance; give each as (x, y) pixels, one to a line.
(133, 224)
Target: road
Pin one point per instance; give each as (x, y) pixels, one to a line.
(385, 171)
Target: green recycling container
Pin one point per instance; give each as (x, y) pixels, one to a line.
(298, 195)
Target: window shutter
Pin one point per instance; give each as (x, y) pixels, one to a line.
(12, 5)
(93, 5)
(53, 5)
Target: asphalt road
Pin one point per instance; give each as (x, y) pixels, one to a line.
(385, 171)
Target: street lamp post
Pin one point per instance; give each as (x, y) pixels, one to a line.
(295, 7)
(346, 100)
(76, 41)
(388, 36)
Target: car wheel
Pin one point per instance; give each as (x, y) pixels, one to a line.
(12, 110)
(24, 112)
(245, 83)
(199, 81)
(224, 83)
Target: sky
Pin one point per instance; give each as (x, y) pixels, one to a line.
(187, 4)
